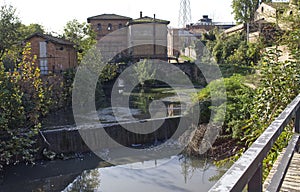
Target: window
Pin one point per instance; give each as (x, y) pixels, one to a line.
(43, 58)
(120, 25)
(291, 12)
(109, 27)
(99, 27)
(262, 9)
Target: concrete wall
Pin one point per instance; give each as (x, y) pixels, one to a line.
(148, 40)
(265, 12)
(70, 141)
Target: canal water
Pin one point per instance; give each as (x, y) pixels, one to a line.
(88, 173)
(178, 173)
(175, 102)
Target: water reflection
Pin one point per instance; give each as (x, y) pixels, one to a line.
(190, 164)
(89, 173)
(141, 98)
(182, 174)
(87, 181)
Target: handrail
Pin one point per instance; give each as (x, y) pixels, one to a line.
(248, 168)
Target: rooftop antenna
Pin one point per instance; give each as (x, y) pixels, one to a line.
(184, 13)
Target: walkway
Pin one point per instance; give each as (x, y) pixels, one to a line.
(291, 180)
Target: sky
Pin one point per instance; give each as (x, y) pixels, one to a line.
(54, 14)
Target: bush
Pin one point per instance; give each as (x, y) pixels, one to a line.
(239, 97)
(22, 104)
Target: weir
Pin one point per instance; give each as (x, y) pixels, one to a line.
(69, 140)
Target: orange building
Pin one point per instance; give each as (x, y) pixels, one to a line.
(107, 23)
(54, 54)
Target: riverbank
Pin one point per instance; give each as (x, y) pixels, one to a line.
(224, 146)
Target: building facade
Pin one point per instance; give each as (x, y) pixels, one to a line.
(147, 38)
(122, 38)
(54, 55)
(107, 23)
(206, 24)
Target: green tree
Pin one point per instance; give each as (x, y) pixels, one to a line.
(27, 30)
(144, 71)
(9, 28)
(244, 10)
(82, 35)
(21, 98)
(231, 49)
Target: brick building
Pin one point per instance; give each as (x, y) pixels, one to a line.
(111, 35)
(206, 24)
(54, 54)
(122, 37)
(107, 23)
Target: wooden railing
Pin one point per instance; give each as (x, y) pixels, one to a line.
(247, 171)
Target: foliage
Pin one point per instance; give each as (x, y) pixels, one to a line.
(12, 34)
(246, 54)
(144, 71)
(239, 97)
(21, 98)
(232, 49)
(88, 181)
(244, 10)
(82, 35)
(27, 30)
(9, 25)
(279, 84)
(187, 59)
(249, 112)
(229, 70)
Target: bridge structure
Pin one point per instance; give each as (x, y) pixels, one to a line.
(246, 174)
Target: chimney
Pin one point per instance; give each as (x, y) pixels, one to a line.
(141, 14)
(154, 16)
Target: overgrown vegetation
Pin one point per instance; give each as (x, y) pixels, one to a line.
(253, 105)
(25, 96)
(22, 105)
(82, 35)
(233, 49)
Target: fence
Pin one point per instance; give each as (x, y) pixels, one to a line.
(248, 169)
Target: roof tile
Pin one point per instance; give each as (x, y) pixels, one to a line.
(109, 17)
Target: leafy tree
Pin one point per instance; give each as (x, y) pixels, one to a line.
(232, 49)
(9, 28)
(27, 30)
(246, 54)
(21, 97)
(82, 35)
(144, 71)
(244, 10)
(13, 55)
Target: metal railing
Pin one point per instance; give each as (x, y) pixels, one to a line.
(247, 170)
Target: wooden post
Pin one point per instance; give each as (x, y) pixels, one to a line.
(297, 121)
(255, 184)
